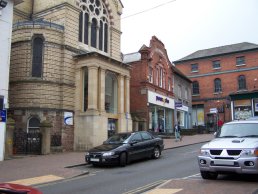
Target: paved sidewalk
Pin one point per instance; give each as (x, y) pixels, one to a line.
(31, 170)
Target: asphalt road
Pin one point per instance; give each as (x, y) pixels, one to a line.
(178, 165)
(174, 163)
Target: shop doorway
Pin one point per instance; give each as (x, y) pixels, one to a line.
(161, 120)
(112, 127)
(212, 123)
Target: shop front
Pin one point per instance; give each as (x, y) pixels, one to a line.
(184, 117)
(198, 115)
(244, 105)
(161, 113)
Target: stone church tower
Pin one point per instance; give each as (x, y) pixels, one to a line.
(67, 71)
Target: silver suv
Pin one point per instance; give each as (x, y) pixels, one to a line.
(235, 149)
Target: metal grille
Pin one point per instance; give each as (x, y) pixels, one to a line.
(27, 143)
(233, 152)
(215, 152)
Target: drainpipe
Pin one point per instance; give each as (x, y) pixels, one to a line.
(32, 10)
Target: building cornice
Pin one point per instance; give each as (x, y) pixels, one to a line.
(179, 62)
(100, 56)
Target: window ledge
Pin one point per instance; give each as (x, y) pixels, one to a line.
(241, 90)
(240, 65)
(217, 93)
(194, 71)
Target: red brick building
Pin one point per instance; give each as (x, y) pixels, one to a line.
(152, 89)
(224, 83)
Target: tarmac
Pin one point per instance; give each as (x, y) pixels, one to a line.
(35, 170)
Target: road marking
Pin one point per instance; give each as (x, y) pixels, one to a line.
(191, 176)
(37, 180)
(163, 191)
(145, 187)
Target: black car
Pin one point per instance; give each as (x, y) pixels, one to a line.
(122, 148)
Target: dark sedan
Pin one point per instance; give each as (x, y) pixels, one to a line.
(122, 148)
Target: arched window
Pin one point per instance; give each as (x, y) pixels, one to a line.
(241, 82)
(111, 93)
(93, 24)
(37, 56)
(217, 85)
(94, 33)
(195, 88)
(33, 124)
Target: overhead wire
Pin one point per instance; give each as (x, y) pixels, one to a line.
(146, 10)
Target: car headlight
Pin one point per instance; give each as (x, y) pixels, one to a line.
(108, 153)
(204, 152)
(251, 152)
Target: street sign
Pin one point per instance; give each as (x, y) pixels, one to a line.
(3, 116)
(178, 104)
(213, 110)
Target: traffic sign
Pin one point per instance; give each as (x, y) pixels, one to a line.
(3, 116)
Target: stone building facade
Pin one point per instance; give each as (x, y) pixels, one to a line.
(66, 69)
(153, 83)
(224, 83)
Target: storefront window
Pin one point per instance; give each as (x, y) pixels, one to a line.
(198, 115)
(168, 120)
(111, 93)
(160, 119)
(256, 107)
(242, 109)
(181, 118)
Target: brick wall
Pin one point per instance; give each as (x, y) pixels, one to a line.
(228, 73)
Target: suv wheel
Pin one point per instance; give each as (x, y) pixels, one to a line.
(209, 175)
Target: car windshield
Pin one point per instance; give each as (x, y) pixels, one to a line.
(118, 138)
(238, 130)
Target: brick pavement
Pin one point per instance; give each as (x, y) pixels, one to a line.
(30, 170)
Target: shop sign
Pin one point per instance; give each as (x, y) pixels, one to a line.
(178, 104)
(68, 118)
(213, 110)
(160, 100)
(183, 108)
(256, 107)
(3, 116)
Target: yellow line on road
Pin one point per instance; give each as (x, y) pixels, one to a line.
(38, 180)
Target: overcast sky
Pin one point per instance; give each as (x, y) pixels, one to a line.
(185, 26)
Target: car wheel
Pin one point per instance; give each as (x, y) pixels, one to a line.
(209, 175)
(156, 153)
(123, 159)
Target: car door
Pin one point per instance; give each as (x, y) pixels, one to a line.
(136, 149)
(148, 143)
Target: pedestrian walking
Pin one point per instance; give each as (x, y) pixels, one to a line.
(177, 132)
(220, 123)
